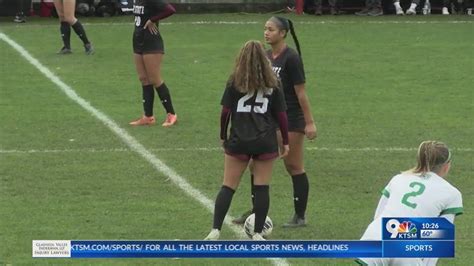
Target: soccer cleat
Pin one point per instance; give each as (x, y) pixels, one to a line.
(411, 11)
(445, 11)
(213, 235)
(143, 121)
(376, 11)
(65, 50)
(295, 222)
(242, 218)
(89, 49)
(19, 19)
(258, 237)
(170, 120)
(363, 12)
(399, 11)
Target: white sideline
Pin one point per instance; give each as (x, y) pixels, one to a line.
(129, 140)
(307, 22)
(213, 149)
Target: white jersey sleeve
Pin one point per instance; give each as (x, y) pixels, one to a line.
(454, 204)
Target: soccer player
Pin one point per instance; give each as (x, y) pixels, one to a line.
(288, 66)
(253, 102)
(148, 51)
(419, 192)
(65, 10)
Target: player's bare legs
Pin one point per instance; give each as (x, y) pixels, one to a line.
(233, 170)
(153, 69)
(147, 93)
(294, 165)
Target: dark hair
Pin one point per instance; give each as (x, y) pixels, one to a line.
(287, 25)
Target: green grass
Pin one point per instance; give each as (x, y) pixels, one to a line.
(371, 82)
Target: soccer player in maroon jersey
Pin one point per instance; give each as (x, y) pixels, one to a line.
(254, 104)
(65, 10)
(288, 66)
(148, 48)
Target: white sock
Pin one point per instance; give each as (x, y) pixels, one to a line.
(397, 5)
(413, 6)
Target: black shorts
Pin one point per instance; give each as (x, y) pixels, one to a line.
(258, 157)
(264, 148)
(146, 43)
(296, 121)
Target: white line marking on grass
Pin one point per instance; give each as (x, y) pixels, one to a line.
(128, 139)
(213, 149)
(308, 22)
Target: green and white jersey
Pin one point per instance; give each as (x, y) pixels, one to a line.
(413, 195)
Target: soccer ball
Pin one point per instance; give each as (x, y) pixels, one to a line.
(82, 8)
(249, 226)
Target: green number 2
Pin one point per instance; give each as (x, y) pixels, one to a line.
(419, 190)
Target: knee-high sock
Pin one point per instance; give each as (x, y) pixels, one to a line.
(79, 30)
(65, 30)
(165, 97)
(148, 99)
(262, 204)
(223, 200)
(300, 193)
(252, 191)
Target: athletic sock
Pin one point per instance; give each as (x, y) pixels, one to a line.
(300, 193)
(223, 200)
(252, 191)
(148, 99)
(65, 30)
(165, 97)
(79, 30)
(262, 204)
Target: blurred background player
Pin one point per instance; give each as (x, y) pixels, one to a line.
(66, 10)
(20, 15)
(253, 102)
(148, 48)
(333, 7)
(410, 11)
(429, 195)
(288, 66)
(372, 8)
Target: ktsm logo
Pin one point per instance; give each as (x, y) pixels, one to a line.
(405, 229)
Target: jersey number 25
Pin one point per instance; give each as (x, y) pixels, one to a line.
(244, 106)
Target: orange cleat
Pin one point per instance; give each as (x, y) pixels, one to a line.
(144, 121)
(170, 120)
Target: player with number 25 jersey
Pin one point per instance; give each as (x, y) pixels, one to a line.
(253, 116)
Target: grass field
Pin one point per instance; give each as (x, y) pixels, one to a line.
(378, 87)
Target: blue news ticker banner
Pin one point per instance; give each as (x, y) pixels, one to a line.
(402, 237)
(414, 229)
(226, 249)
(241, 249)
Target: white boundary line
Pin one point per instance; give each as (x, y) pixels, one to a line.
(211, 149)
(128, 139)
(309, 22)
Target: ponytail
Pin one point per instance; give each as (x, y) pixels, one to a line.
(293, 34)
(431, 156)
